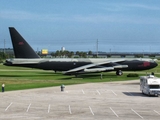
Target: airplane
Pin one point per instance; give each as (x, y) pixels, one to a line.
(25, 56)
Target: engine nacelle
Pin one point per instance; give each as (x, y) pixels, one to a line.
(98, 69)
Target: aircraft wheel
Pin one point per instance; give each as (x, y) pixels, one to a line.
(119, 72)
(76, 75)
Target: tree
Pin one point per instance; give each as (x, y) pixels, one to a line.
(89, 52)
(57, 53)
(77, 52)
(53, 54)
(70, 54)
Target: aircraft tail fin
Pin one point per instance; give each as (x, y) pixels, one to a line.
(21, 48)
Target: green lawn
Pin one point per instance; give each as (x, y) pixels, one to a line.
(18, 78)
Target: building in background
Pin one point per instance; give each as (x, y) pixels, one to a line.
(63, 49)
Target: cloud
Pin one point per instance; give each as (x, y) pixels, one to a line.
(116, 18)
(24, 15)
(126, 6)
(16, 15)
(142, 6)
(81, 18)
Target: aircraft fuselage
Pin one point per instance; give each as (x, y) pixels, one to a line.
(69, 63)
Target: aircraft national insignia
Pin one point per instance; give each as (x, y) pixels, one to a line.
(145, 64)
(20, 43)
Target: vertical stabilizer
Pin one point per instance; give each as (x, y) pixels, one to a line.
(21, 48)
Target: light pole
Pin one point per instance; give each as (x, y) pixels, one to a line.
(4, 46)
(97, 48)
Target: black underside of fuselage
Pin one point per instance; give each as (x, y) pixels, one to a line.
(61, 66)
(134, 65)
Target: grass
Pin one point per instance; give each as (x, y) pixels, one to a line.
(19, 78)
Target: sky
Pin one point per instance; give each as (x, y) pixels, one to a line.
(82, 25)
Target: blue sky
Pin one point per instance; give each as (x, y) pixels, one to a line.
(119, 25)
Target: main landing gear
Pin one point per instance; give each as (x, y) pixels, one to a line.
(119, 72)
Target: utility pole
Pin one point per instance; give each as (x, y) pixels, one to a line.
(97, 48)
(4, 46)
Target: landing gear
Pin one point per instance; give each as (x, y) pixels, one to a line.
(101, 76)
(76, 75)
(119, 72)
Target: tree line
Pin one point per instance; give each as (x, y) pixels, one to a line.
(58, 53)
(70, 54)
(3, 56)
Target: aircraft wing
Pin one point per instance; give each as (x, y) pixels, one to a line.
(97, 67)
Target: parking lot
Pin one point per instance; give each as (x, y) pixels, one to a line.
(99, 101)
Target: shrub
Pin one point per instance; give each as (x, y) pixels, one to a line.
(1, 61)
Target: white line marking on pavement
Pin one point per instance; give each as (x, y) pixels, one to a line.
(137, 113)
(8, 106)
(114, 112)
(28, 107)
(91, 110)
(83, 91)
(70, 109)
(98, 92)
(49, 107)
(114, 93)
(157, 112)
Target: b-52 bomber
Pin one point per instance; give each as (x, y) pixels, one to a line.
(25, 56)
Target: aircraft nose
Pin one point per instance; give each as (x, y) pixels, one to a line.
(154, 64)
